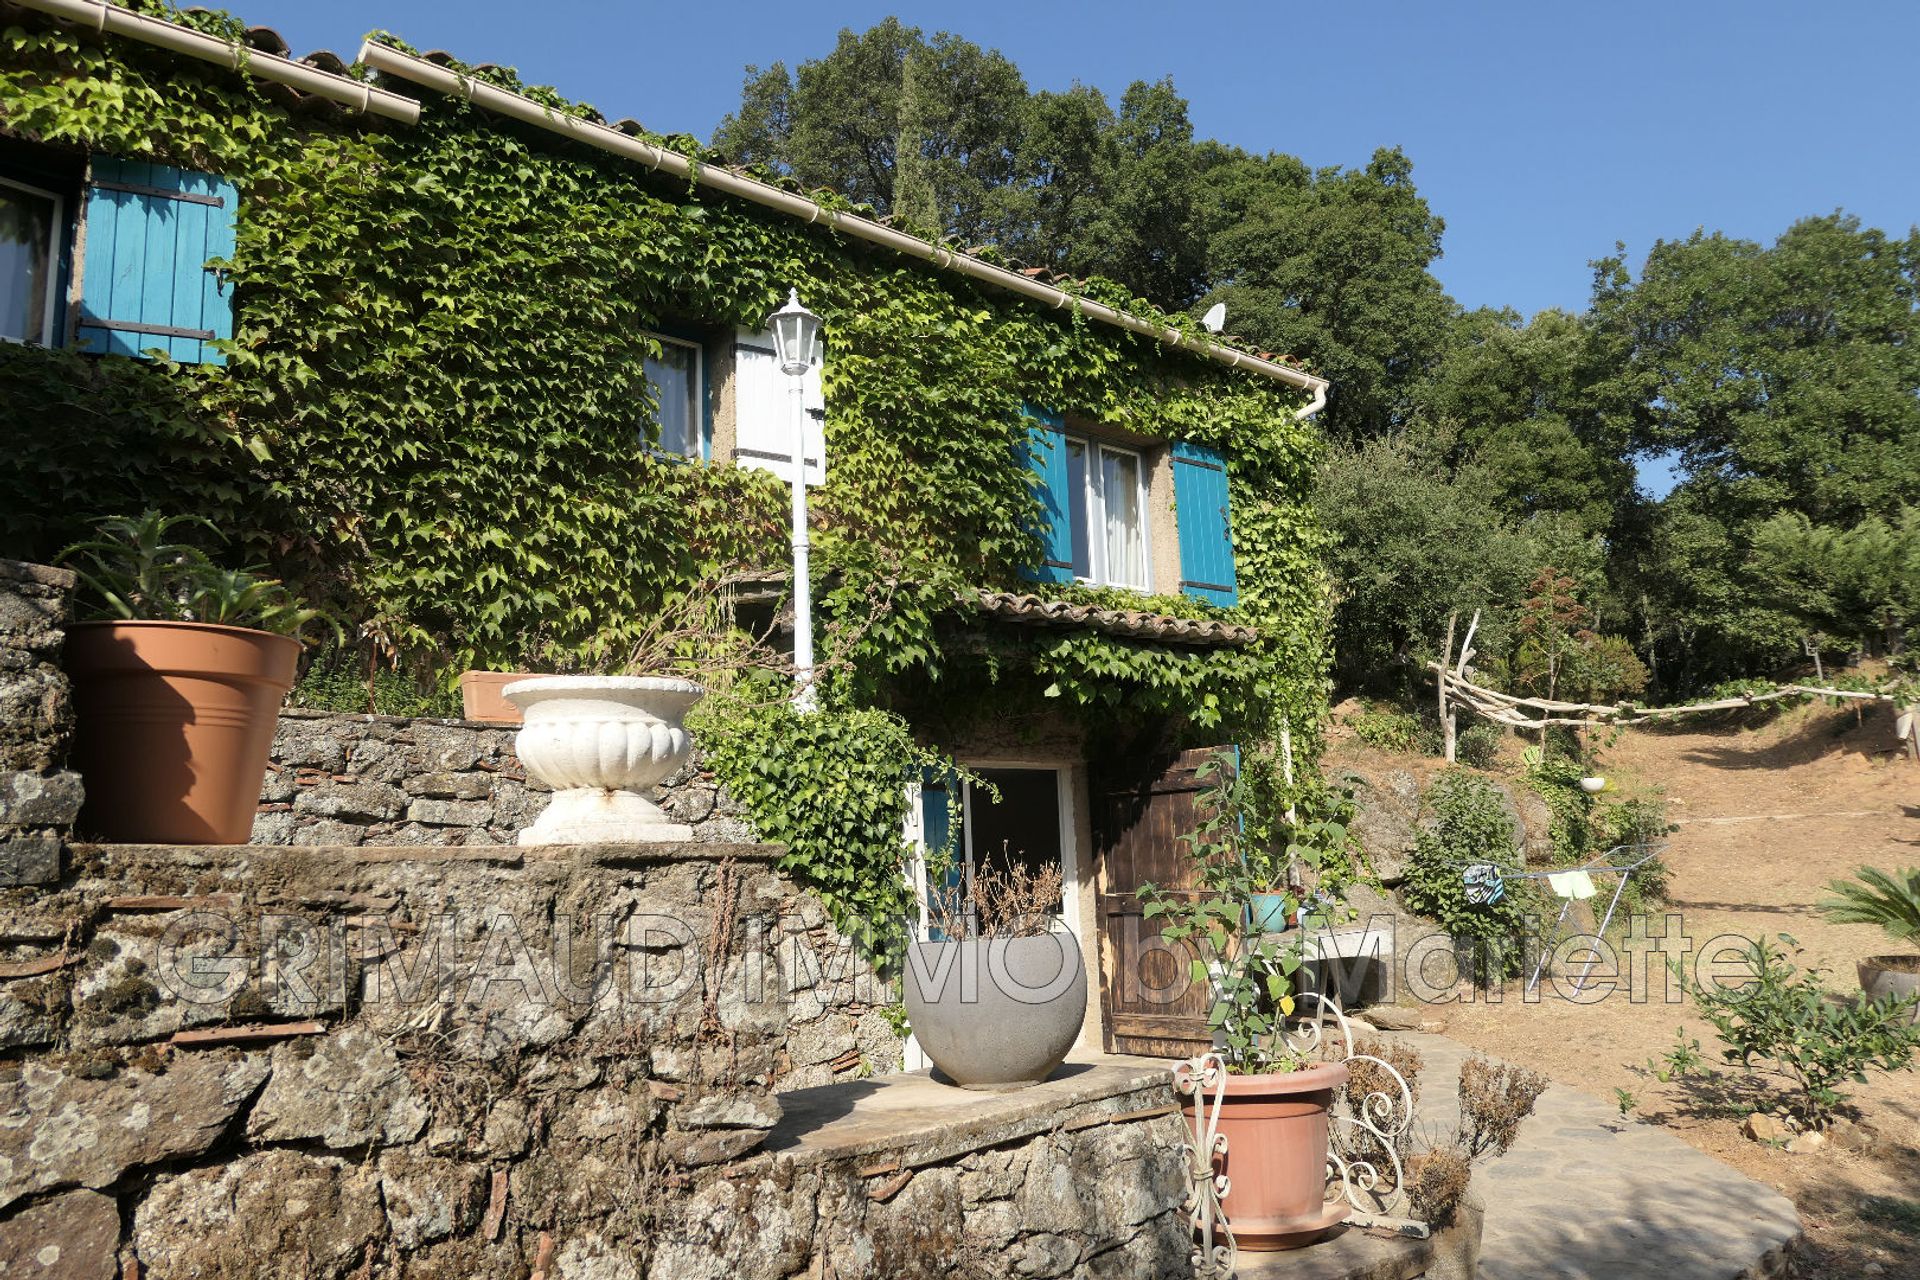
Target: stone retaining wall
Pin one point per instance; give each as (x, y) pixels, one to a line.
(341, 779)
(334, 1062)
(38, 798)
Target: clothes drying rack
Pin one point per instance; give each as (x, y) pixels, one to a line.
(1567, 883)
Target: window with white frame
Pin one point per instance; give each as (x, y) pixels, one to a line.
(675, 376)
(1107, 490)
(30, 224)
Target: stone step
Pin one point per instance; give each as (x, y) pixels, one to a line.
(1586, 1195)
(1352, 1254)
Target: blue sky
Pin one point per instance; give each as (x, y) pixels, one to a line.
(1542, 132)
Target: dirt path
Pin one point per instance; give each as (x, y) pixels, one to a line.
(1768, 816)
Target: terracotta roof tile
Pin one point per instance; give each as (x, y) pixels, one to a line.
(268, 40)
(1131, 624)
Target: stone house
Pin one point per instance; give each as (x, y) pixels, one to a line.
(1161, 603)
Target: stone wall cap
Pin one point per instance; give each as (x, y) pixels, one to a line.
(45, 575)
(371, 717)
(928, 1122)
(512, 855)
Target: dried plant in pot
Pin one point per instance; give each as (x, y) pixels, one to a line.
(997, 994)
(178, 674)
(1277, 1100)
(1891, 901)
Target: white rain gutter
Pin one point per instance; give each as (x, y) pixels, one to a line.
(110, 19)
(433, 76)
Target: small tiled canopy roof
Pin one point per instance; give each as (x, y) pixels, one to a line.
(1132, 624)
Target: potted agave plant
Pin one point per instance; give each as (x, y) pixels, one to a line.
(1893, 903)
(997, 994)
(177, 680)
(1278, 1099)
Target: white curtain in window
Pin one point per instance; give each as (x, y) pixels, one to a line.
(1120, 493)
(673, 381)
(26, 260)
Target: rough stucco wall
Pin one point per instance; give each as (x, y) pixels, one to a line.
(417, 1062)
(38, 798)
(1163, 525)
(724, 399)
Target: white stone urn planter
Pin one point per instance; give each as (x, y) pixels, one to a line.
(601, 743)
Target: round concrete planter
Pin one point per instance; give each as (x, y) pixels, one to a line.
(173, 725)
(601, 742)
(1276, 1161)
(997, 1013)
(1883, 976)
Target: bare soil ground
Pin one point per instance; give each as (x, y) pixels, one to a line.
(1768, 816)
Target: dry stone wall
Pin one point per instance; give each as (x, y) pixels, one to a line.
(38, 797)
(360, 780)
(386, 1061)
(339, 779)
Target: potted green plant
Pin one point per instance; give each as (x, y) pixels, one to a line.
(177, 680)
(1893, 903)
(1277, 1099)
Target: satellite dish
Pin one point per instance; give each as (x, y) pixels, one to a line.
(1216, 318)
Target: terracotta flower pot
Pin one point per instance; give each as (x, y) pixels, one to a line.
(1276, 1160)
(173, 723)
(481, 699)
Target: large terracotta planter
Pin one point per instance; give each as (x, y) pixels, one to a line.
(1276, 1160)
(602, 742)
(1883, 976)
(173, 724)
(481, 696)
(996, 1013)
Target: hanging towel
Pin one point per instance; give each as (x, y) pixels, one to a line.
(1572, 884)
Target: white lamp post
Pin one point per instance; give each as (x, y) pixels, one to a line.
(795, 331)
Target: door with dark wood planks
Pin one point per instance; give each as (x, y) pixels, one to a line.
(1150, 1003)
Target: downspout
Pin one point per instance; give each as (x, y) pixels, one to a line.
(111, 19)
(431, 75)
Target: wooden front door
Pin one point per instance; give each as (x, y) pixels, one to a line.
(1151, 1004)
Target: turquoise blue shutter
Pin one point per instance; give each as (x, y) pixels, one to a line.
(1046, 453)
(151, 229)
(1206, 531)
(937, 792)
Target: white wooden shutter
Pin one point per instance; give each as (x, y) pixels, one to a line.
(763, 425)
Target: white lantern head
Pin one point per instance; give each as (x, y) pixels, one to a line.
(795, 331)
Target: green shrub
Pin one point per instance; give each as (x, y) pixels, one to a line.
(1479, 745)
(338, 679)
(1779, 1022)
(1635, 824)
(1388, 728)
(1470, 825)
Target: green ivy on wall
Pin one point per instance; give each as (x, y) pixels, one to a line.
(834, 792)
(432, 412)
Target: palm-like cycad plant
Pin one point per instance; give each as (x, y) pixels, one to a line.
(1890, 901)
